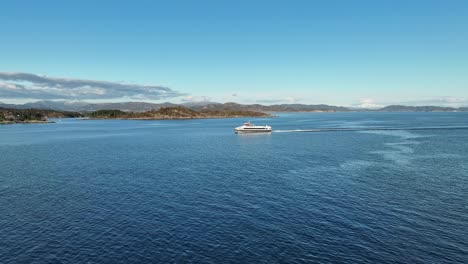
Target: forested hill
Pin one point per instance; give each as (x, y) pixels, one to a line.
(8, 116)
(176, 112)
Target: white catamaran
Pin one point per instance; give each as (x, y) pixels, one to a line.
(251, 128)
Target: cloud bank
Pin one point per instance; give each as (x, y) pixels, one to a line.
(287, 100)
(14, 85)
(191, 98)
(445, 101)
(367, 103)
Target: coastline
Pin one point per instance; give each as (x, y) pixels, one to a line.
(177, 118)
(174, 113)
(25, 122)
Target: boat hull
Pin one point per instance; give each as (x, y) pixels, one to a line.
(242, 131)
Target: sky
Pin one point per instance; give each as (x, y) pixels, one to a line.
(361, 53)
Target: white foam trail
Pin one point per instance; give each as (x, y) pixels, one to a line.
(341, 129)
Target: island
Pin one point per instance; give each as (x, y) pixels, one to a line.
(24, 116)
(173, 112)
(21, 116)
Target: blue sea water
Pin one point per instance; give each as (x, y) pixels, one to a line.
(116, 191)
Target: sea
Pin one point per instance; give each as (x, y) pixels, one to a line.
(321, 188)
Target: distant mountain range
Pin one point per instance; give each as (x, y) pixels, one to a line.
(404, 108)
(88, 107)
(143, 107)
(272, 108)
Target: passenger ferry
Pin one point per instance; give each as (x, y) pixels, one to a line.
(251, 128)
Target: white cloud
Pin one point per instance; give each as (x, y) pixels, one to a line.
(191, 98)
(291, 99)
(367, 103)
(284, 100)
(19, 85)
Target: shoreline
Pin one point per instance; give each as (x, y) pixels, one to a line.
(25, 122)
(181, 118)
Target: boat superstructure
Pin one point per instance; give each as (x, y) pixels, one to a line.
(251, 128)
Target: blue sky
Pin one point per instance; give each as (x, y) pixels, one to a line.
(365, 53)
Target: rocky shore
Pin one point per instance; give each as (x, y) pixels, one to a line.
(25, 122)
(34, 116)
(31, 116)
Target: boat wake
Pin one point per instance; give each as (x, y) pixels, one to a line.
(344, 129)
